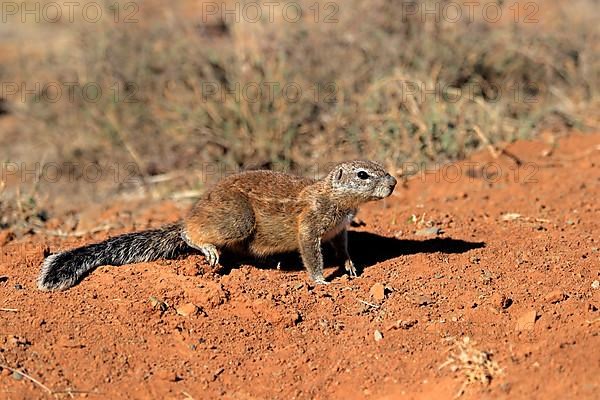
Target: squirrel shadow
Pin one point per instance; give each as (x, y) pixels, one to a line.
(366, 249)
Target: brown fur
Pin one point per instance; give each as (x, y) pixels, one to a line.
(260, 213)
(264, 212)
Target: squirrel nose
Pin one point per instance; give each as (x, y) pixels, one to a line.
(391, 180)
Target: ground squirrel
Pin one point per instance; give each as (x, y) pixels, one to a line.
(255, 212)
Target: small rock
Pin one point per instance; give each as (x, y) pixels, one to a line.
(293, 318)
(596, 284)
(500, 301)
(17, 376)
(556, 296)
(510, 216)
(164, 375)
(506, 302)
(428, 231)
(187, 309)
(475, 259)
(377, 335)
(423, 300)
(154, 301)
(400, 324)
(17, 341)
(18, 286)
(378, 292)
(506, 387)
(158, 304)
(526, 321)
(486, 277)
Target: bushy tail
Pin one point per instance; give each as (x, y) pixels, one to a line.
(62, 270)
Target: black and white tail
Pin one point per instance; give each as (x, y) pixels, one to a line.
(62, 270)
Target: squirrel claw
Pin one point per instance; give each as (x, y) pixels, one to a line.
(209, 250)
(350, 268)
(211, 254)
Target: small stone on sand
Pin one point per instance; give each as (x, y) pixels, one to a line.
(377, 335)
(378, 291)
(526, 321)
(187, 309)
(556, 296)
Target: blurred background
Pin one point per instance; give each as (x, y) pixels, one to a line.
(106, 101)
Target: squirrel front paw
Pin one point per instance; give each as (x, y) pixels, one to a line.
(350, 268)
(319, 280)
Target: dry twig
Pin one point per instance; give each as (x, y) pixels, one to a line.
(474, 364)
(495, 151)
(367, 303)
(60, 233)
(32, 379)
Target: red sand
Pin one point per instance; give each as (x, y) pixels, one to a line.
(265, 333)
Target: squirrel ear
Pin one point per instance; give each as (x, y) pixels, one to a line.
(338, 174)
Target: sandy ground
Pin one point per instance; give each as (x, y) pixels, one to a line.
(514, 267)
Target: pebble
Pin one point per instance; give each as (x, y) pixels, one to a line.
(17, 376)
(164, 375)
(377, 335)
(423, 300)
(596, 284)
(500, 301)
(400, 324)
(293, 318)
(428, 231)
(187, 309)
(526, 321)
(510, 216)
(475, 259)
(378, 291)
(158, 304)
(556, 296)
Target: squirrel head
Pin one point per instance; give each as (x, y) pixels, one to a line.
(361, 180)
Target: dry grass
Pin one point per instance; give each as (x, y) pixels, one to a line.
(475, 366)
(374, 70)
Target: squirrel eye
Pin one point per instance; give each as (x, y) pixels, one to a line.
(362, 175)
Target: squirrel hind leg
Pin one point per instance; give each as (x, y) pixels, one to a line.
(221, 220)
(207, 249)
